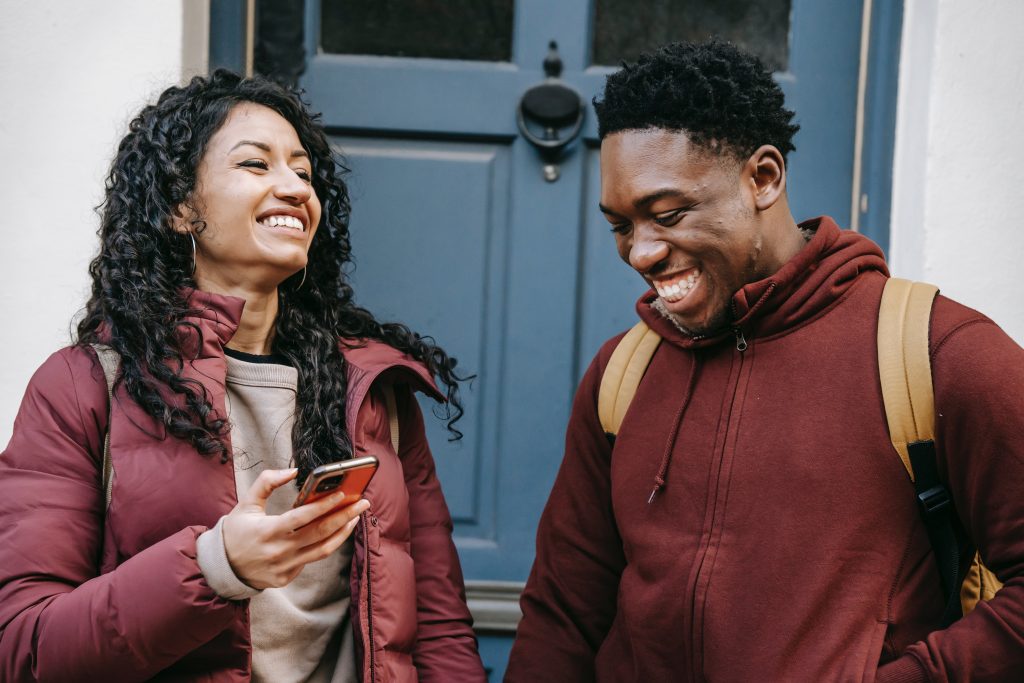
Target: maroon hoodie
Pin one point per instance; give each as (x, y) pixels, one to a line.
(88, 595)
(783, 540)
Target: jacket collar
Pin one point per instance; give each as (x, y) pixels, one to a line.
(217, 315)
(818, 276)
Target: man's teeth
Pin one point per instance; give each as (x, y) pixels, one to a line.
(282, 221)
(675, 291)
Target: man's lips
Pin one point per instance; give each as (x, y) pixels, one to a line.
(676, 287)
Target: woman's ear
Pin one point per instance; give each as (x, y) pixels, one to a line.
(767, 172)
(179, 221)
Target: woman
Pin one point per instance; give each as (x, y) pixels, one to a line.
(220, 287)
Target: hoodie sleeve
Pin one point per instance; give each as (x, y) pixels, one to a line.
(60, 620)
(569, 601)
(978, 373)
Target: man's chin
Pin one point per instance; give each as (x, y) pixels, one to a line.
(711, 328)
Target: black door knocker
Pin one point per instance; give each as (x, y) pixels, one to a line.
(555, 109)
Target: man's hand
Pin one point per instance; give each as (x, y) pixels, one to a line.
(269, 551)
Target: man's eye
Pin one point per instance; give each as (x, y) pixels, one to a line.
(669, 218)
(621, 228)
(254, 163)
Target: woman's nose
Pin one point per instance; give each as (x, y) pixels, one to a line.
(291, 188)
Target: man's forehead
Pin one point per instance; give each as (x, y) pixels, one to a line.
(635, 155)
(663, 143)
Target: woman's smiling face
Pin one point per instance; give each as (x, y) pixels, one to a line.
(254, 192)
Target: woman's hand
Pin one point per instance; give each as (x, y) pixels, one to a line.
(268, 551)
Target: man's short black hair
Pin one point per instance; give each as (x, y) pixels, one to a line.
(714, 92)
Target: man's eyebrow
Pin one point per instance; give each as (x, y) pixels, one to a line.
(652, 197)
(648, 199)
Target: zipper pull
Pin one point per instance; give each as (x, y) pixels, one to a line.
(741, 341)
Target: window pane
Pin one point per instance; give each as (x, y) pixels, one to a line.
(450, 29)
(625, 28)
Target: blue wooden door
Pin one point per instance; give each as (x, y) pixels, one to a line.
(458, 233)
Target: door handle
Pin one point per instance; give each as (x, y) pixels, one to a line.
(555, 109)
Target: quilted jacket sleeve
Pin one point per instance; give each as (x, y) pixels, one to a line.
(446, 648)
(569, 602)
(59, 619)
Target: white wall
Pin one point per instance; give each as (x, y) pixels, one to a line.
(73, 74)
(957, 180)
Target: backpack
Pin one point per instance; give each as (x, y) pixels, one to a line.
(906, 377)
(111, 362)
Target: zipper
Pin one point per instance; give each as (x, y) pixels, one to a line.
(369, 595)
(741, 341)
(699, 593)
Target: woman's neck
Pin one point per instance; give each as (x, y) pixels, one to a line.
(255, 332)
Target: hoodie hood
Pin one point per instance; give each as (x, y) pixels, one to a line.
(818, 276)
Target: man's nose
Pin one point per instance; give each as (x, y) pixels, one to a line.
(646, 251)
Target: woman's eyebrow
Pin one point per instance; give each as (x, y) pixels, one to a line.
(260, 145)
(266, 148)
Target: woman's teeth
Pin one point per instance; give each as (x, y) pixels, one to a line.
(282, 221)
(674, 291)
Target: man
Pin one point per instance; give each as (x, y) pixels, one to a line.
(751, 520)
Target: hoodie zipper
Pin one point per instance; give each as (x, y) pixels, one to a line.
(741, 341)
(369, 595)
(699, 592)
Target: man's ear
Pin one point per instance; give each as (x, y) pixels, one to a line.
(766, 170)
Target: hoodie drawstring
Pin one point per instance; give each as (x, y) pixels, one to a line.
(666, 459)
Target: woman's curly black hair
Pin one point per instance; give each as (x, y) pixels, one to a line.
(142, 277)
(716, 93)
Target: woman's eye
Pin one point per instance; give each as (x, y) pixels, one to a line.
(254, 163)
(304, 174)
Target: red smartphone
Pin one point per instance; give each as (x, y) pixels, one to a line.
(351, 476)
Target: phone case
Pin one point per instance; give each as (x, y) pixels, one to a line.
(351, 476)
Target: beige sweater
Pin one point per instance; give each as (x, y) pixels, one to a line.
(300, 632)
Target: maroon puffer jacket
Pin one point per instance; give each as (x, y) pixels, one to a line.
(87, 596)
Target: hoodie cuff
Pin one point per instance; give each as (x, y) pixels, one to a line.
(213, 562)
(906, 669)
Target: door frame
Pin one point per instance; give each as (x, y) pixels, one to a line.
(495, 604)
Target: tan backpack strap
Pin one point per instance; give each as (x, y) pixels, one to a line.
(622, 376)
(392, 405)
(110, 361)
(904, 364)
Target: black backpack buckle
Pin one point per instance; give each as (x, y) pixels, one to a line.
(933, 501)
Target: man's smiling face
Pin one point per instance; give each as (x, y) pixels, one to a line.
(685, 218)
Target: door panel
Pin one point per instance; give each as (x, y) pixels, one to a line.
(415, 249)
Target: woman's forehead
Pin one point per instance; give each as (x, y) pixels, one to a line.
(256, 123)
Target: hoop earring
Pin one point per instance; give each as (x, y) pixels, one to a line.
(303, 280)
(193, 238)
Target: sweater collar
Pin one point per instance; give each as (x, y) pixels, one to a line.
(808, 284)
